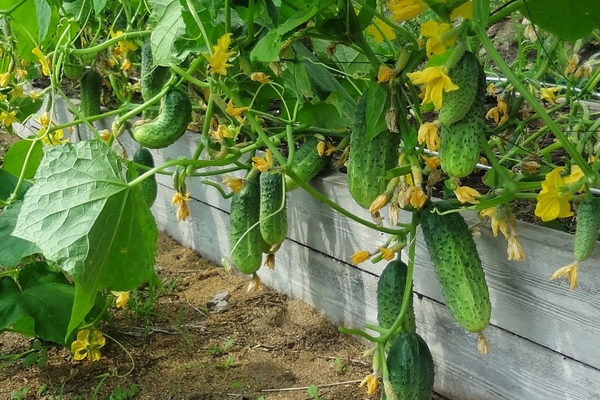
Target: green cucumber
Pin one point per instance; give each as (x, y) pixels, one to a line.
(273, 218)
(90, 92)
(457, 266)
(244, 234)
(369, 159)
(456, 103)
(171, 123)
(152, 78)
(148, 187)
(307, 163)
(390, 293)
(586, 232)
(411, 368)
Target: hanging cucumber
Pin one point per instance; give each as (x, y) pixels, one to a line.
(148, 186)
(152, 78)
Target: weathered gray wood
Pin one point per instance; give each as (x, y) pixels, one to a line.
(515, 369)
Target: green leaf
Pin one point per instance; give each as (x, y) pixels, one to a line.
(44, 15)
(24, 25)
(99, 6)
(8, 183)
(13, 249)
(213, 6)
(378, 102)
(366, 16)
(296, 81)
(169, 28)
(15, 158)
(43, 294)
(322, 115)
(84, 216)
(569, 20)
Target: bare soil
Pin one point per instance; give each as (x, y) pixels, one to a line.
(264, 344)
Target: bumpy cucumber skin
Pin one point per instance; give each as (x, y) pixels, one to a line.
(148, 187)
(171, 123)
(152, 78)
(369, 159)
(459, 142)
(273, 228)
(411, 368)
(91, 88)
(457, 103)
(390, 293)
(457, 266)
(245, 212)
(307, 163)
(586, 232)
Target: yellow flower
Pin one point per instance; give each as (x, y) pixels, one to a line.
(17, 92)
(236, 111)
(498, 217)
(570, 271)
(4, 79)
(387, 31)
(428, 134)
(416, 196)
(126, 66)
(53, 138)
(122, 299)
(572, 64)
(436, 82)
(7, 118)
(465, 10)
(87, 344)
(465, 194)
(43, 60)
(217, 63)
(575, 175)
(371, 382)
(45, 120)
(181, 200)
(514, 250)
(491, 89)
(20, 74)
(379, 202)
(432, 162)
(585, 70)
(384, 74)
(235, 184)
(387, 253)
(434, 32)
(548, 94)
(263, 164)
(553, 199)
(260, 77)
(330, 149)
(403, 10)
(360, 256)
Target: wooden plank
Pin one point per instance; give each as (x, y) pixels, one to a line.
(515, 369)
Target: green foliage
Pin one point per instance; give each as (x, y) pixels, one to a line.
(569, 20)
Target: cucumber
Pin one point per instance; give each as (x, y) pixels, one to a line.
(456, 103)
(457, 266)
(307, 163)
(171, 123)
(152, 78)
(90, 91)
(390, 292)
(244, 213)
(586, 232)
(273, 223)
(411, 368)
(148, 187)
(369, 159)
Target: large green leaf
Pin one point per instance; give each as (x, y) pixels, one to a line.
(44, 15)
(43, 294)
(569, 20)
(16, 155)
(24, 25)
(13, 249)
(169, 28)
(8, 183)
(84, 216)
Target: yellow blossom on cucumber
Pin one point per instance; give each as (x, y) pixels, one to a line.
(572, 64)
(403, 10)
(428, 134)
(236, 112)
(514, 250)
(53, 138)
(553, 199)
(466, 194)
(263, 164)
(465, 10)
(497, 217)
(360, 256)
(575, 176)
(372, 382)
(44, 61)
(87, 345)
(379, 202)
(20, 74)
(235, 184)
(217, 62)
(179, 199)
(568, 271)
(8, 118)
(416, 196)
(4, 79)
(384, 74)
(432, 162)
(436, 81)
(436, 42)
(122, 298)
(260, 77)
(387, 253)
(549, 94)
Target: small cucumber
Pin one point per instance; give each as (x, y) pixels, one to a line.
(307, 163)
(148, 186)
(457, 266)
(273, 220)
(171, 123)
(152, 78)
(586, 232)
(245, 238)
(91, 89)
(456, 103)
(411, 368)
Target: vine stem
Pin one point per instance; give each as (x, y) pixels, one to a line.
(105, 45)
(592, 177)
